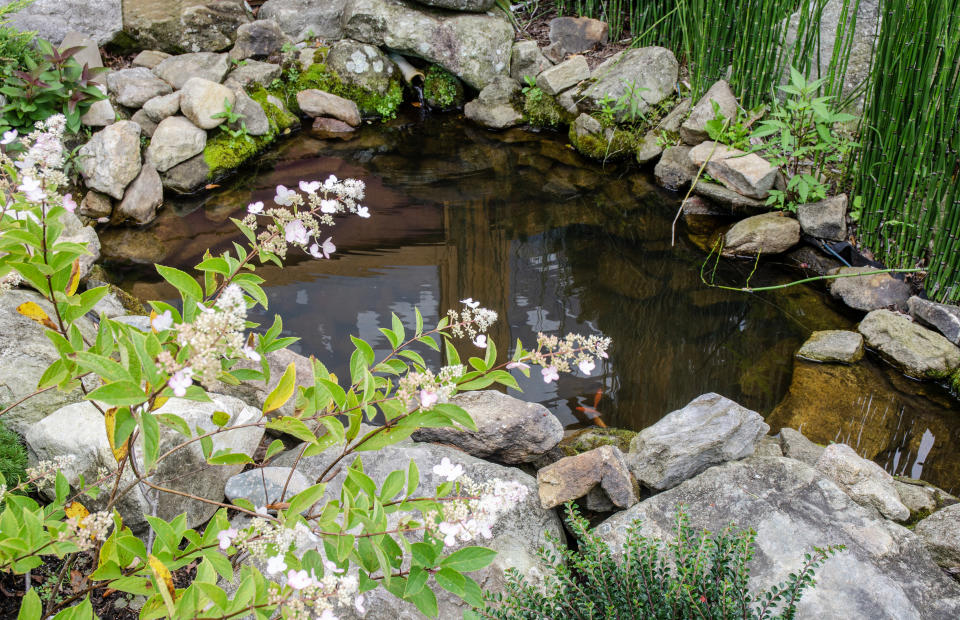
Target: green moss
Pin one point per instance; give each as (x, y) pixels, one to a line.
(442, 89)
(591, 438)
(623, 143)
(130, 303)
(319, 76)
(542, 110)
(13, 457)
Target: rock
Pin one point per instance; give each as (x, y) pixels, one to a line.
(134, 87)
(554, 52)
(177, 70)
(569, 102)
(494, 107)
(89, 54)
(474, 47)
(870, 291)
(316, 103)
(944, 318)
(146, 124)
(578, 34)
(674, 170)
(731, 201)
(27, 352)
(252, 73)
(52, 20)
(885, 571)
(162, 107)
(939, 532)
(184, 25)
(175, 140)
(826, 219)
(327, 128)
(254, 393)
(567, 74)
(796, 446)
(149, 58)
(142, 198)
(526, 60)
(584, 440)
(768, 446)
(363, 66)
(648, 149)
(711, 429)
(95, 205)
(509, 430)
(915, 350)
(141, 322)
(747, 174)
(472, 6)
(100, 114)
(834, 345)
(921, 498)
(769, 233)
(75, 232)
(111, 159)
(811, 261)
(201, 100)
(258, 39)
(585, 125)
(864, 481)
(672, 121)
(302, 19)
(265, 485)
(640, 77)
(187, 177)
(573, 477)
(254, 118)
(694, 129)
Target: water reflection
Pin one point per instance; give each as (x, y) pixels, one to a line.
(552, 243)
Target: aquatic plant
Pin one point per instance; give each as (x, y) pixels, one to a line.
(442, 89)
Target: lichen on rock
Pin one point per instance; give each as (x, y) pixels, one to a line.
(349, 70)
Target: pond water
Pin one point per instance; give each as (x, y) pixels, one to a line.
(553, 243)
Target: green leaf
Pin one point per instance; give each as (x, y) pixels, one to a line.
(365, 349)
(293, 426)
(426, 602)
(305, 499)
(279, 396)
(392, 485)
(30, 608)
(220, 418)
(182, 281)
(423, 554)
(413, 477)
(230, 458)
(151, 439)
(119, 393)
(469, 559)
(276, 447)
(450, 580)
(398, 328)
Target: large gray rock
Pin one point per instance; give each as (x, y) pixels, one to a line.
(600, 475)
(147, 124)
(711, 429)
(495, 107)
(640, 77)
(826, 219)
(134, 87)
(142, 198)
(74, 231)
(921, 497)
(768, 233)
(253, 72)
(864, 481)
(572, 35)
(175, 140)
(184, 25)
(95, 205)
(149, 58)
(727, 199)
(674, 170)
(202, 100)
(474, 47)
(916, 350)
(266, 485)
(27, 353)
(526, 60)
(300, 19)
(253, 116)
(111, 159)
(257, 40)
(363, 66)
(509, 430)
(162, 107)
(885, 571)
(833, 345)
(316, 103)
(54, 19)
(940, 533)
(694, 129)
(796, 446)
(869, 291)
(176, 70)
(567, 74)
(747, 174)
(100, 114)
(943, 317)
(187, 177)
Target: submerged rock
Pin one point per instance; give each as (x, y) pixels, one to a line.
(769, 233)
(870, 291)
(835, 345)
(864, 481)
(916, 350)
(945, 318)
(694, 129)
(600, 475)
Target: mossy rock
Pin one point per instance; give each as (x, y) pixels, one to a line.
(591, 438)
(370, 103)
(543, 110)
(442, 89)
(619, 142)
(131, 304)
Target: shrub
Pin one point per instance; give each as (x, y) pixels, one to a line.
(13, 457)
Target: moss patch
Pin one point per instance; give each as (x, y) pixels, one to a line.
(624, 142)
(319, 76)
(591, 438)
(542, 110)
(442, 89)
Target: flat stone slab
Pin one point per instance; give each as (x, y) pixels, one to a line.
(916, 350)
(834, 345)
(870, 291)
(602, 469)
(944, 318)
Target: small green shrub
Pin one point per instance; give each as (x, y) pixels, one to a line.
(13, 457)
(15, 46)
(442, 89)
(695, 576)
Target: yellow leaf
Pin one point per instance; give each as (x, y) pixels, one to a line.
(34, 312)
(78, 510)
(74, 281)
(110, 420)
(160, 401)
(164, 581)
(284, 390)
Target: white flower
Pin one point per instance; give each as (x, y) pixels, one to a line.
(9, 136)
(310, 188)
(358, 605)
(329, 206)
(255, 208)
(512, 365)
(586, 366)
(470, 303)
(446, 469)
(363, 211)
(276, 565)
(226, 537)
(180, 381)
(449, 531)
(261, 510)
(323, 251)
(329, 615)
(162, 322)
(296, 232)
(549, 374)
(284, 196)
(32, 189)
(428, 398)
(480, 341)
(299, 579)
(69, 203)
(251, 353)
(330, 566)
(330, 182)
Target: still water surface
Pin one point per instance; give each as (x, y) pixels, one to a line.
(554, 243)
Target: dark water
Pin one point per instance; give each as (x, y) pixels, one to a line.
(553, 243)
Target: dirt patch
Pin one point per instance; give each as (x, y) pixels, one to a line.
(535, 24)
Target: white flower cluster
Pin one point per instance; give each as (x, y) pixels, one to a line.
(10, 281)
(87, 530)
(472, 322)
(45, 472)
(39, 167)
(557, 354)
(429, 389)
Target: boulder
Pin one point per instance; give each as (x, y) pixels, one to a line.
(768, 233)
(316, 103)
(833, 345)
(470, 6)
(915, 350)
(885, 571)
(177, 70)
(796, 446)
(111, 159)
(363, 66)
(26, 353)
(494, 107)
(639, 77)
(252, 73)
(711, 429)
(567, 74)
(184, 25)
(748, 174)
(727, 199)
(100, 114)
(674, 170)
(939, 532)
(509, 430)
(149, 58)
(328, 128)
(864, 481)
(694, 129)
(95, 205)
(870, 291)
(768, 446)
(201, 100)
(526, 60)
(134, 87)
(672, 121)
(920, 497)
(53, 20)
(142, 198)
(826, 219)
(258, 39)
(189, 176)
(266, 485)
(600, 475)
(578, 34)
(253, 116)
(162, 107)
(176, 140)
(302, 19)
(942, 317)
(474, 47)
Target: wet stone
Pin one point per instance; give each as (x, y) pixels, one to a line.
(870, 291)
(833, 346)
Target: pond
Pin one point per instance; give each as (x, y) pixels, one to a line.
(554, 243)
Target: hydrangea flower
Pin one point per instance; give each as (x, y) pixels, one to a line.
(275, 564)
(226, 537)
(162, 322)
(255, 208)
(549, 374)
(447, 469)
